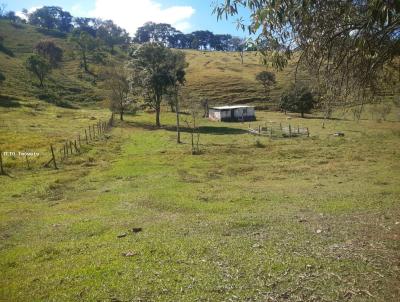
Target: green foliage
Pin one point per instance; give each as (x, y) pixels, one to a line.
(111, 34)
(346, 43)
(156, 68)
(267, 79)
(297, 99)
(39, 67)
(4, 49)
(51, 17)
(85, 45)
(116, 81)
(49, 50)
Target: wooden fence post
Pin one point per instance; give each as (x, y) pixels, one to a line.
(290, 131)
(79, 141)
(280, 124)
(308, 132)
(90, 134)
(54, 158)
(94, 132)
(259, 129)
(86, 137)
(2, 172)
(298, 129)
(270, 132)
(70, 146)
(66, 148)
(27, 162)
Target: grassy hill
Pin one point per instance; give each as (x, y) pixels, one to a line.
(217, 76)
(249, 219)
(66, 84)
(221, 78)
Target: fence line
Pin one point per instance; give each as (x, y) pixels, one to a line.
(69, 147)
(279, 131)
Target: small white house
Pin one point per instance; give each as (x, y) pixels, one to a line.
(238, 113)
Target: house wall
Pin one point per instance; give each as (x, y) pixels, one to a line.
(226, 115)
(214, 115)
(244, 112)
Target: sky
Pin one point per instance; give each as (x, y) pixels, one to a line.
(185, 15)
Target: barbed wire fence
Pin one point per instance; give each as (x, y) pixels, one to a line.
(71, 147)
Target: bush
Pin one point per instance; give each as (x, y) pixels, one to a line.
(53, 98)
(297, 99)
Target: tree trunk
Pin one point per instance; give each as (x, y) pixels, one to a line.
(178, 130)
(302, 114)
(85, 67)
(121, 115)
(158, 116)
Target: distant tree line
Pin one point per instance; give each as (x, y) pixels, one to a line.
(55, 18)
(199, 40)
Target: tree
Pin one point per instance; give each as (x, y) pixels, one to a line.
(117, 83)
(112, 35)
(156, 68)
(51, 17)
(193, 126)
(344, 44)
(88, 25)
(39, 67)
(177, 80)
(85, 44)
(12, 17)
(202, 39)
(267, 79)
(297, 99)
(49, 50)
(159, 32)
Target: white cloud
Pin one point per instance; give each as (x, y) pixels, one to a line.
(131, 14)
(30, 10)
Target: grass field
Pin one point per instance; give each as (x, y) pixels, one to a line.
(301, 219)
(136, 217)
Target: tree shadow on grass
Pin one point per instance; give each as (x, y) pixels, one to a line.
(202, 129)
(8, 102)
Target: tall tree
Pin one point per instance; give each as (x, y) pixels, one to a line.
(202, 39)
(39, 67)
(51, 17)
(117, 83)
(88, 25)
(156, 69)
(345, 44)
(85, 45)
(267, 79)
(298, 98)
(177, 78)
(49, 50)
(111, 34)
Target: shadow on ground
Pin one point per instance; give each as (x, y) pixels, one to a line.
(7, 101)
(203, 129)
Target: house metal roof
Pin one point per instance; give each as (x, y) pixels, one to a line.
(231, 107)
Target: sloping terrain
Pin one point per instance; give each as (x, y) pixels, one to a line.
(217, 76)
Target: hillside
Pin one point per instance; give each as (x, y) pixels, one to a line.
(221, 78)
(67, 83)
(217, 76)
